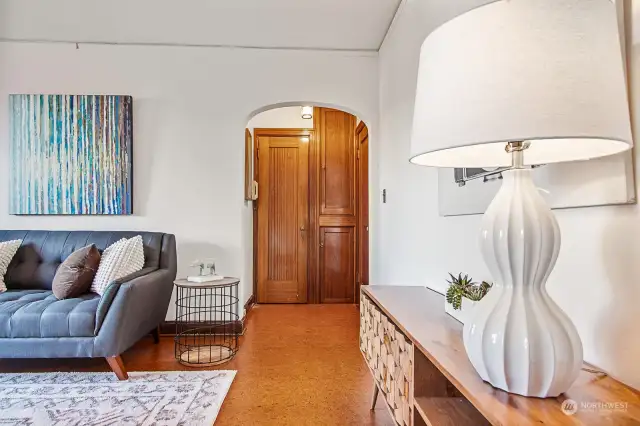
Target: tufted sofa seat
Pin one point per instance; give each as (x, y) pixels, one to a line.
(37, 313)
(34, 324)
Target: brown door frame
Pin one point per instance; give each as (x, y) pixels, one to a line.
(362, 127)
(313, 233)
(266, 132)
(313, 293)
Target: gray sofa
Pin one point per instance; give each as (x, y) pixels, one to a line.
(34, 324)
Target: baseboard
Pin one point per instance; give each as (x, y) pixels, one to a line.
(168, 328)
(247, 308)
(249, 304)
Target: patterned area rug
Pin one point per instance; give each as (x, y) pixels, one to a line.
(182, 398)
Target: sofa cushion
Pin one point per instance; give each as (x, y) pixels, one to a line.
(75, 274)
(41, 253)
(8, 249)
(37, 313)
(118, 260)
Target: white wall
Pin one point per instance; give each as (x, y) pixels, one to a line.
(281, 118)
(191, 106)
(596, 277)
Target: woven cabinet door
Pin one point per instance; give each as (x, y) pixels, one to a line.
(400, 374)
(366, 330)
(389, 355)
(406, 372)
(364, 326)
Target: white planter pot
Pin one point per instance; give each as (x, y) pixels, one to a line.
(463, 314)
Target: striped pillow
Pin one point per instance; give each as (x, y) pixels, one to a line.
(8, 249)
(121, 258)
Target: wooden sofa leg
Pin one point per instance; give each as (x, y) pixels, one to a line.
(156, 335)
(116, 364)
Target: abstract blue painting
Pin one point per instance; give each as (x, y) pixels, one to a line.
(71, 155)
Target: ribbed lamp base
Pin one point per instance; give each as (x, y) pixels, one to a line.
(517, 338)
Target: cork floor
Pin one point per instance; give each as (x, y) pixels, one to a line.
(297, 365)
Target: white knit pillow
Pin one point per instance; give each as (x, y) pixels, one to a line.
(8, 249)
(121, 258)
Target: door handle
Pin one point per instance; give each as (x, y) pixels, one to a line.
(302, 231)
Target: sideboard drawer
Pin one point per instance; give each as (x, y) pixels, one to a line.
(389, 355)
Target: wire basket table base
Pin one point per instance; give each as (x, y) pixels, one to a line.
(207, 322)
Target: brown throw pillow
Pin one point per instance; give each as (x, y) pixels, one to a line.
(75, 274)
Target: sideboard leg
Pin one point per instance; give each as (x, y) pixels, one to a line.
(375, 395)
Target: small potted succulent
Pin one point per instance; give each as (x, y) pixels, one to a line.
(463, 294)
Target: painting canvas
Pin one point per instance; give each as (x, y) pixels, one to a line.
(71, 155)
(603, 181)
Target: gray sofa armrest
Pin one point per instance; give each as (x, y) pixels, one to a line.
(138, 306)
(110, 293)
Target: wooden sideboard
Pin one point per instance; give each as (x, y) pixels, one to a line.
(421, 371)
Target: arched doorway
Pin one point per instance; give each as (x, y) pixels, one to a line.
(310, 230)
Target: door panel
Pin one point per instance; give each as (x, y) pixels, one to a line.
(337, 265)
(336, 208)
(337, 185)
(282, 222)
(362, 138)
(283, 169)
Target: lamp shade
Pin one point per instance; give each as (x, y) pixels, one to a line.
(550, 72)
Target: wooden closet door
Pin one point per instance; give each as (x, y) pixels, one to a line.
(337, 264)
(336, 212)
(283, 210)
(337, 156)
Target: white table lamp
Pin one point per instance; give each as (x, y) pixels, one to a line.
(512, 84)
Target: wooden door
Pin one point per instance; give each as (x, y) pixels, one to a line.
(362, 139)
(337, 156)
(283, 210)
(336, 208)
(337, 266)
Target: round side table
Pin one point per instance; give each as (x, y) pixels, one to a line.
(207, 322)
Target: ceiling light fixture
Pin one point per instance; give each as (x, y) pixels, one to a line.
(307, 112)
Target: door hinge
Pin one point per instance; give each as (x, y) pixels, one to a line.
(358, 154)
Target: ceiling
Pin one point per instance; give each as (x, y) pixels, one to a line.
(308, 24)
